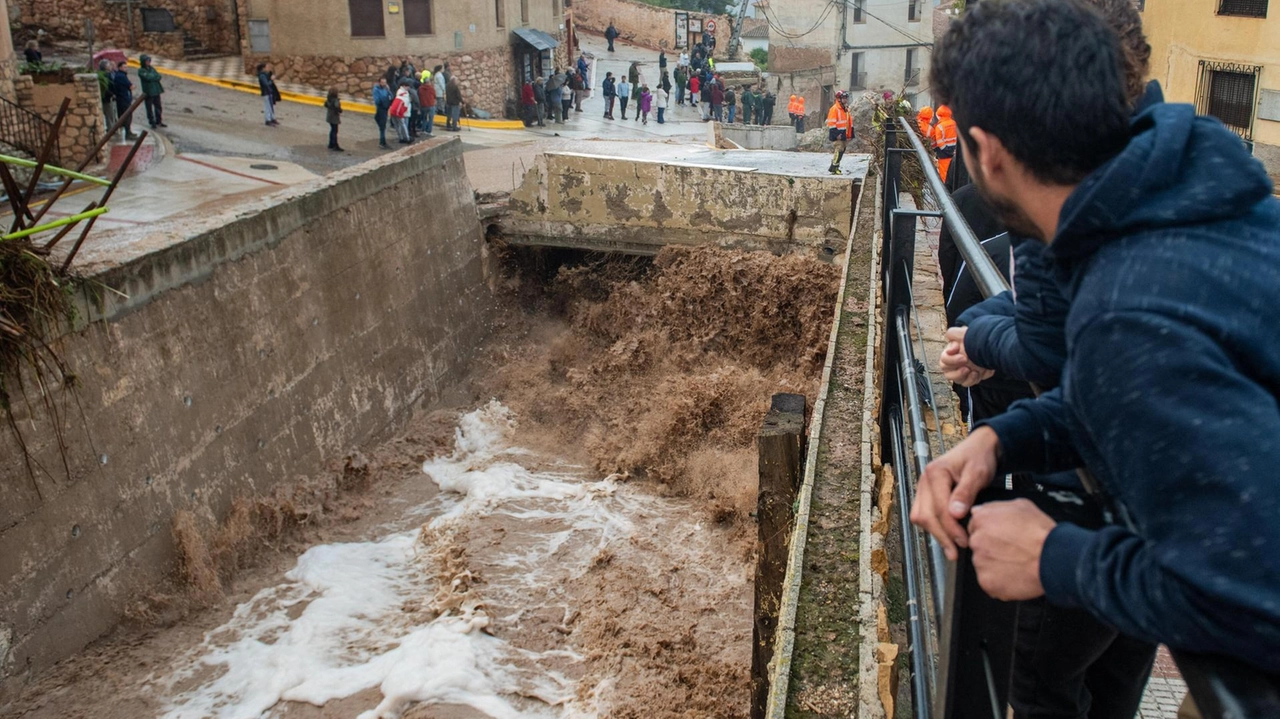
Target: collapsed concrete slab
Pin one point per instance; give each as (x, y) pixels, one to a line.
(777, 201)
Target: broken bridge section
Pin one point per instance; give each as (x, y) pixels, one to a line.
(782, 202)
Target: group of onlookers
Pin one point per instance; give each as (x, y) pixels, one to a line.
(553, 97)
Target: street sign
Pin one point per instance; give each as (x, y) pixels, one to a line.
(711, 26)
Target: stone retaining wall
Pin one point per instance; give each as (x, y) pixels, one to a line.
(487, 76)
(235, 355)
(84, 124)
(211, 23)
(644, 24)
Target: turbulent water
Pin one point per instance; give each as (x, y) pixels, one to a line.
(408, 614)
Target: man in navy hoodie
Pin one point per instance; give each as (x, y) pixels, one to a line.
(1165, 240)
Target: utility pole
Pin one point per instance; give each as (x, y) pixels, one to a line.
(735, 37)
(133, 38)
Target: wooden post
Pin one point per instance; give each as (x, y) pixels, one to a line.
(781, 445)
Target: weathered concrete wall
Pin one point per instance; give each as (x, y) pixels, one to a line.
(758, 137)
(615, 204)
(643, 24)
(247, 355)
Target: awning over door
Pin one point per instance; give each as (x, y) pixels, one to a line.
(537, 38)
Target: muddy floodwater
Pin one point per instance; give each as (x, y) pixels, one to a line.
(573, 540)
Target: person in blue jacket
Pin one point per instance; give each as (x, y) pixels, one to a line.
(1165, 240)
(122, 91)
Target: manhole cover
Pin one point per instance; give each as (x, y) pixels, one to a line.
(263, 167)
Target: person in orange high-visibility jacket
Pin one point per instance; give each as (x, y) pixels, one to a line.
(800, 113)
(839, 129)
(924, 120)
(791, 109)
(945, 138)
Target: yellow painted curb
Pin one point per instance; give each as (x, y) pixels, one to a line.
(361, 107)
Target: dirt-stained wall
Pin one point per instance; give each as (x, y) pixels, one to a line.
(609, 203)
(643, 24)
(256, 350)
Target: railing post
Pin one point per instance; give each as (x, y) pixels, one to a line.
(781, 446)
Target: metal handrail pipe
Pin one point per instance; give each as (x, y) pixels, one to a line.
(922, 676)
(920, 445)
(984, 271)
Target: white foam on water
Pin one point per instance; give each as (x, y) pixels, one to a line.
(337, 625)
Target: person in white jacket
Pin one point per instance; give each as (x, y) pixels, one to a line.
(660, 98)
(437, 77)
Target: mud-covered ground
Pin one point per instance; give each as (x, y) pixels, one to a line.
(574, 541)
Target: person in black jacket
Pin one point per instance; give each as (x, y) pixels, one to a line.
(611, 34)
(610, 90)
(267, 88)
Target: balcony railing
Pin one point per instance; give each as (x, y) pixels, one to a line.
(1222, 688)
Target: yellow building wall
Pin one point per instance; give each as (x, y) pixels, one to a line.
(1184, 32)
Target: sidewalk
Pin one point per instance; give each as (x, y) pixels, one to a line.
(228, 72)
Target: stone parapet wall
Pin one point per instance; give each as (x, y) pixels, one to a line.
(487, 76)
(643, 24)
(211, 24)
(234, 355)
(84, 124)
(639, 206)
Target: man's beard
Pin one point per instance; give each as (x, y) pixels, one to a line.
(1009, 214)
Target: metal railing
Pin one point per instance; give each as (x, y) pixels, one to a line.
(25, 130)
(1222, 688)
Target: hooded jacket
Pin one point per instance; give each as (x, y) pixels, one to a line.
(1169, 255)
(150, 78)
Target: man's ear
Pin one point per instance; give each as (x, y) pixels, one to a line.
(993, 157)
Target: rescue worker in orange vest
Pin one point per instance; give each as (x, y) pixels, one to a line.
(839, 129)
(944, 141)
(924, 120)
(800, 114)
(791, 109)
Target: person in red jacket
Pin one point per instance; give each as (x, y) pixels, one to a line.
(427, 99)
(526, 104)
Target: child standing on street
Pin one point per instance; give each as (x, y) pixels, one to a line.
(333, 115)
(646, 102)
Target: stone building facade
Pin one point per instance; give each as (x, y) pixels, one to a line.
(643, 24)
(333, 43)
(168, 28)
(84, 124)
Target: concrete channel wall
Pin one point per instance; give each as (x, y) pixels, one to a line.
(239, 358)
(617, 204)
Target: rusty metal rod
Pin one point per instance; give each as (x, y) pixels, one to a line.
(47, 150)
(106, 196)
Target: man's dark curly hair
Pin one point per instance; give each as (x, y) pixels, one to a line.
(1135, 52)
(1043, 76)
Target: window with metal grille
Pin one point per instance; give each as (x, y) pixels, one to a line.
(366, 18)
(1243, 8)
(1231, 98)
(913, 11)
(1229, 92)
(912, 75)
(157, 20)
(417, 17)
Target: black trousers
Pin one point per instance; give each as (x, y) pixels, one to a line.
(154, 110)
(1068, 665)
